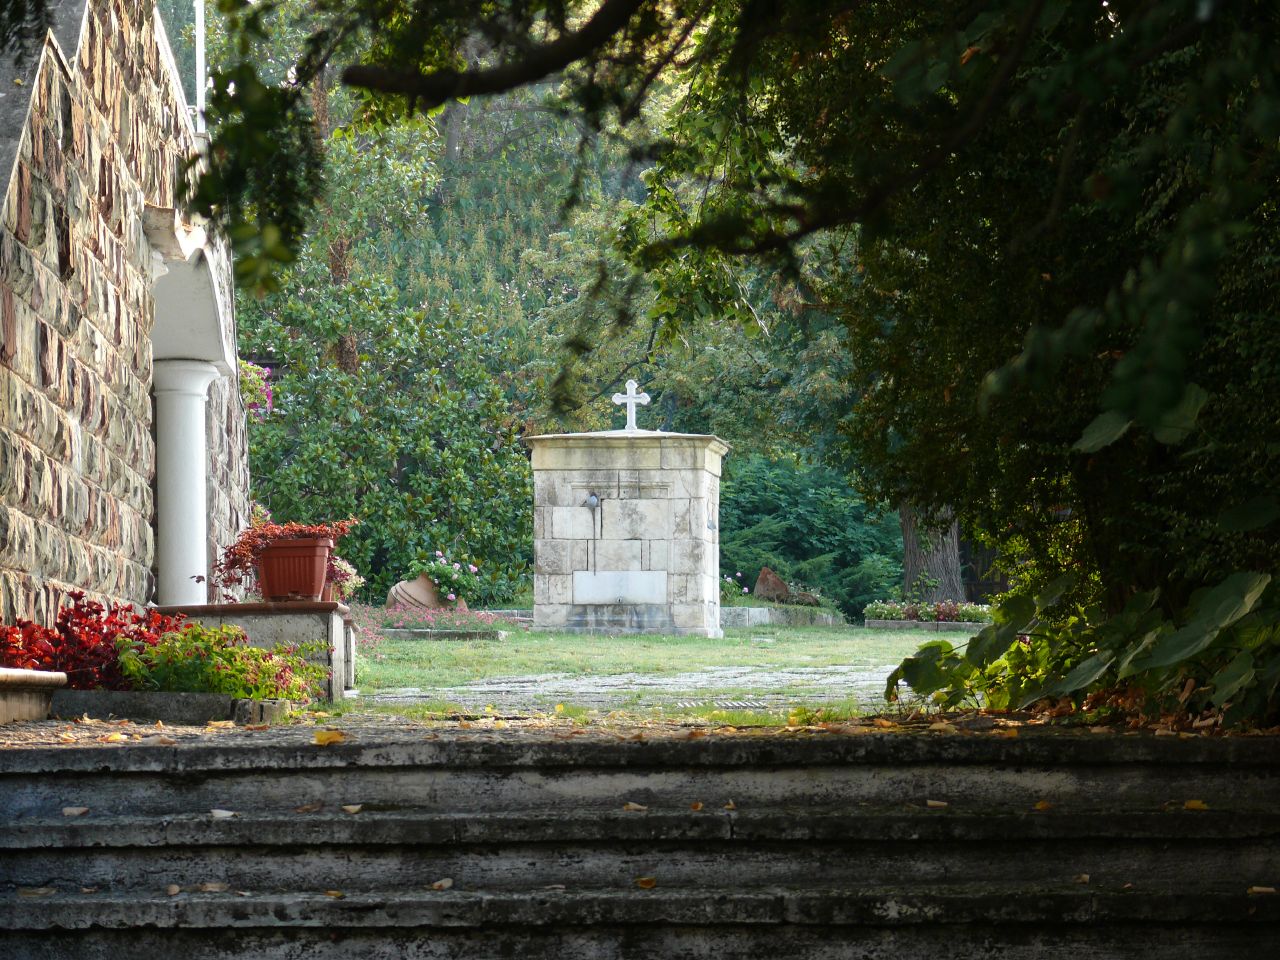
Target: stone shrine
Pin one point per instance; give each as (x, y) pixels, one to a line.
(626, 529)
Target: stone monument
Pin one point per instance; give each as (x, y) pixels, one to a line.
(626, 529)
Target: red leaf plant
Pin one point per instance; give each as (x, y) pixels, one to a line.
(85, 642)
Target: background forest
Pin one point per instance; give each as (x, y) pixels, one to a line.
(463, 286)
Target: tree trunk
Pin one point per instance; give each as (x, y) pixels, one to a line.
(930, 559)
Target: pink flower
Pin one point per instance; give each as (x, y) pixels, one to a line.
(457, 566)
(745, 590)
(439, 553)
(473, 568)
(453, 597)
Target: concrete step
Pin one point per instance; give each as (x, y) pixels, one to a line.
(943, 921)
(817, 846)
(759, 848)
(531, 773)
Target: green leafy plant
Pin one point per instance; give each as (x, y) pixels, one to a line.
(947, 611)
(345, 579)
(1219, 661)
(200, 659)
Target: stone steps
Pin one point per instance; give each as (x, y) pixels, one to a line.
(813, 846)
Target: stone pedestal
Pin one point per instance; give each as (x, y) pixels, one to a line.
(626, 532)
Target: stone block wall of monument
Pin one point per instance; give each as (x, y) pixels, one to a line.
(105, 134)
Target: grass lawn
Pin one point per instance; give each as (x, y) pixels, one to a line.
(773, 667)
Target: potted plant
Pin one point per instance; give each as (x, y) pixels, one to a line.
(289, 560)
(341, 580)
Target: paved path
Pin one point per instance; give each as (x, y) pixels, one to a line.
(753, 688)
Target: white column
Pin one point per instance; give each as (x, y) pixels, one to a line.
(182, 509)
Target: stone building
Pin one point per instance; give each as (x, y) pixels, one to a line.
(123, 459)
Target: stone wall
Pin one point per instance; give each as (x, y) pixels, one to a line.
(106, 133)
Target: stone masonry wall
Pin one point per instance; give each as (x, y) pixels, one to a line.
(102, 138)
(228, 482)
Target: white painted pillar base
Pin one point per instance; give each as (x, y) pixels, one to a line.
(182, 509)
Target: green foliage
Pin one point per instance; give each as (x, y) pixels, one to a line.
(454, 579)
(1220, 656)
(200, 659)
(415, 438)
(944, 611)
(806, 523)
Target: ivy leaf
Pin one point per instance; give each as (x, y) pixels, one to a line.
(1082, 676)
(1179, 423)
(1232, 678)
(990, 645)
(1105, 430)
(1254, 515)
(1220, 607)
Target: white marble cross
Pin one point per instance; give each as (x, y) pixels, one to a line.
(631, 398)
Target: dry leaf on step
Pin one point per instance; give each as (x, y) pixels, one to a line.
(352, 807)
(325, 737)
(942, 727)
(112, 738)
(731, 805)
(1195, 805)
(66, 738)
(309, 807)
(74, 811)
(634, 807)
(696, 806)
(883, 724)
(1082, 878)
(36, 891)
(443, 884)
(222, 814)
(88, 889)
(222, 724)
(214, 887)
(1262, 890)
(935, 804)
(173, 890)
(646, 883)
(335, 894)
(1043, 805)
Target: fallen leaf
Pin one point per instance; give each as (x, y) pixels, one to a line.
(119, 723)
(242, 893)
(1195, 805)
(325, 737)
(1043, 805)
(66, 738)
(1165, 732)
(161, 740)
(335, 894)
(160, 723)
(112, 738)
(464, 724)
(214, 887)
(221, 724)
(942, 727)
(444, 884)
(634, 807)
(1082, 878)
(935, 804)
(309, 807)
(883, 724)
(88, 889)
(1099, 729)
(222, 814)
(731, 805)
(696, 733)
(1262, 890)
(1008, 733)
(696, 806)
(554, 886)
(499, 724)
(35, 891)
(173, 890)
(1127, 886)
(74, 811)
(258, 726)
(646, 883)
(352, 807)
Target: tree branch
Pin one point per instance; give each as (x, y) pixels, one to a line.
(430, 90)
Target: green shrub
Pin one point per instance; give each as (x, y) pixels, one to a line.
(200, 659)
(946, 611)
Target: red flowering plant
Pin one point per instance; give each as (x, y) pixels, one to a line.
(237, 565)
(85, 642)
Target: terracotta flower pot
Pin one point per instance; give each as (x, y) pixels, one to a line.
(294, 569)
